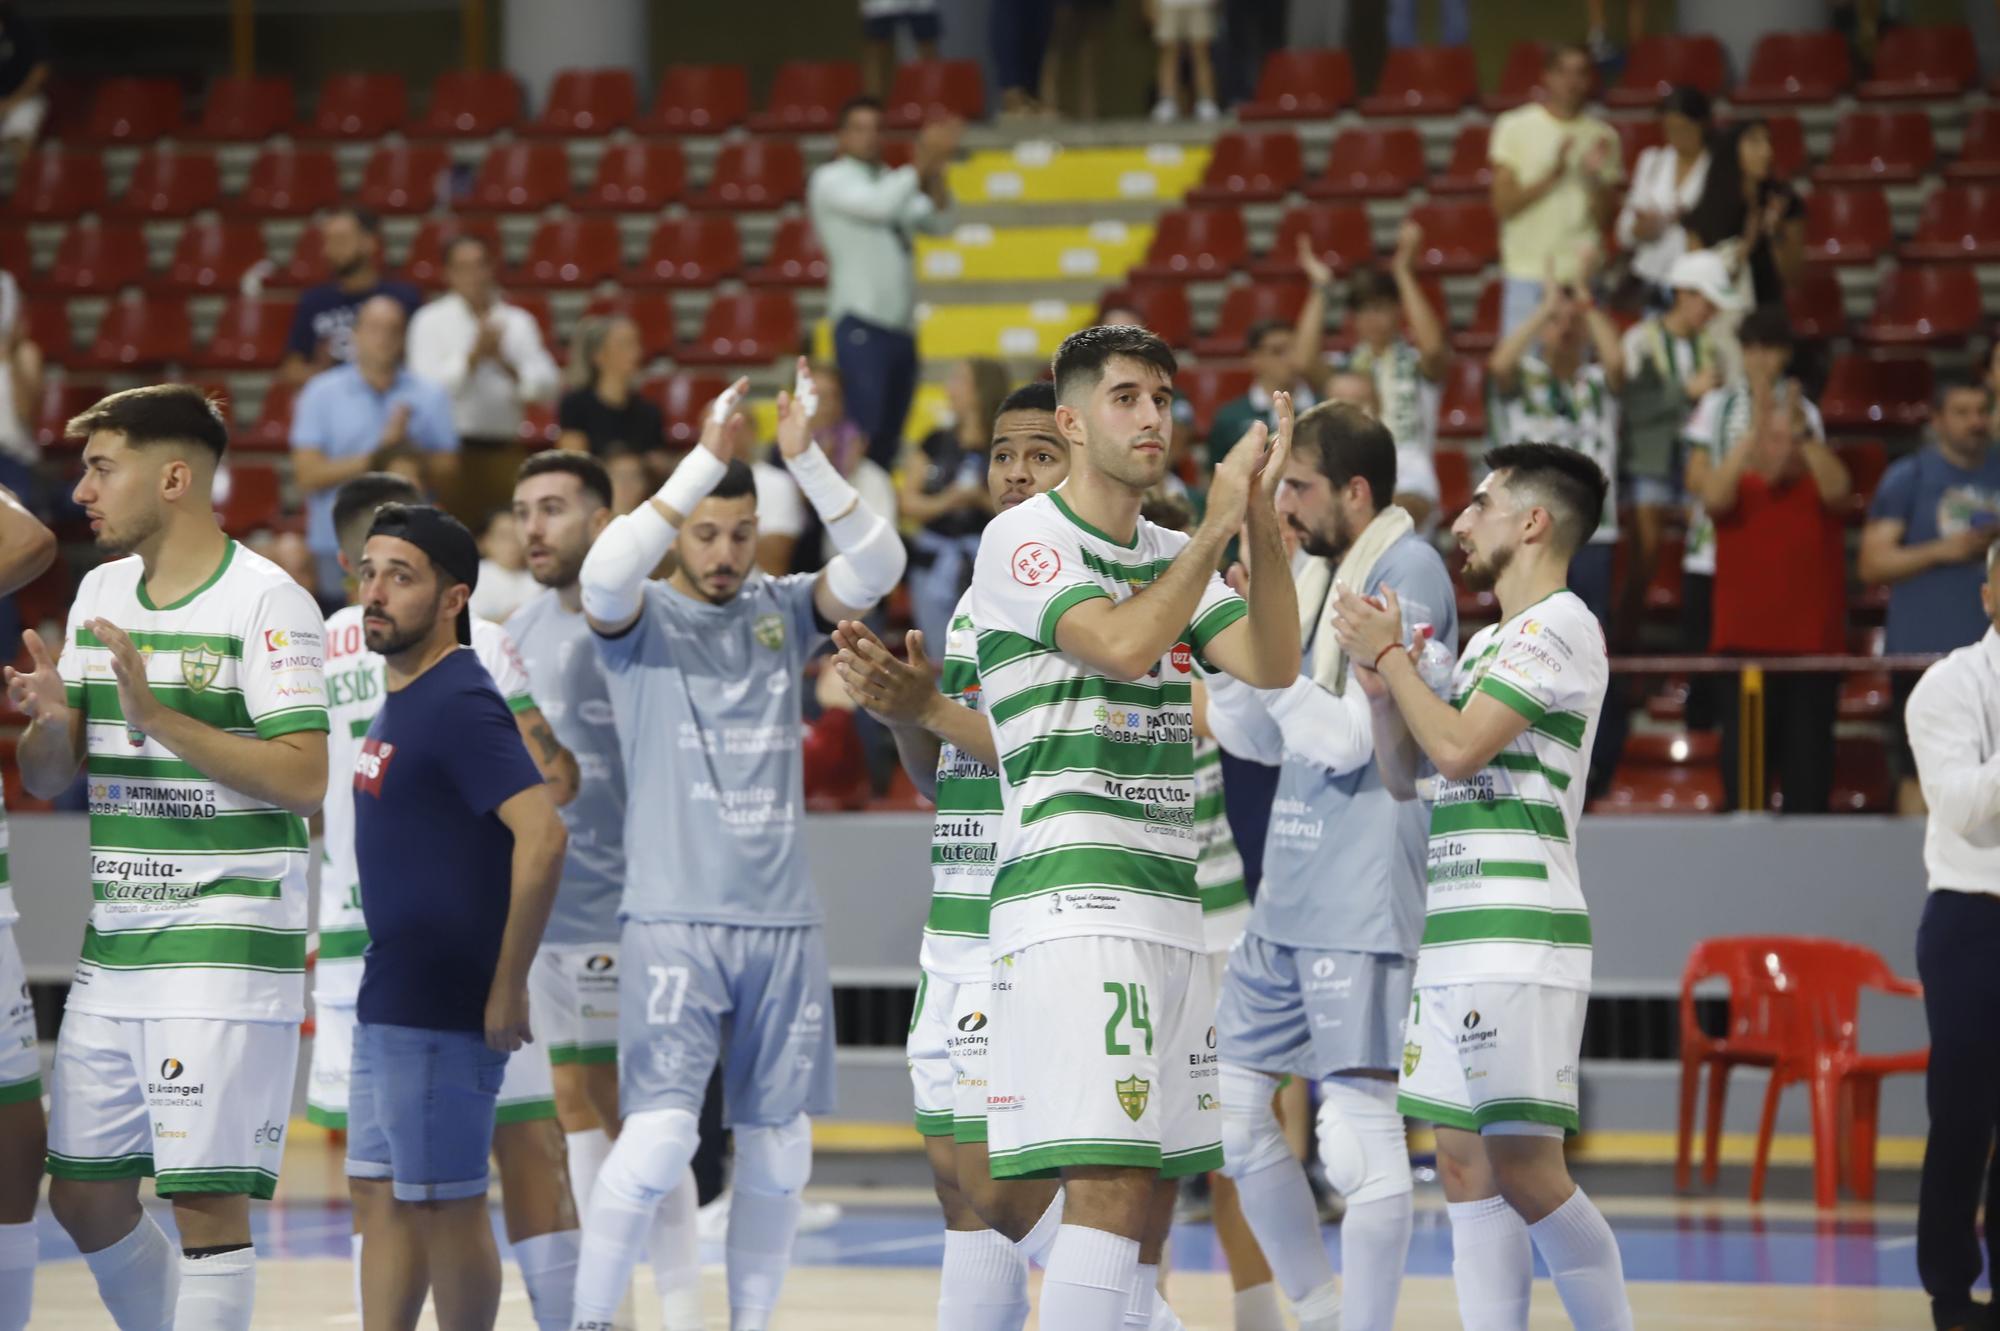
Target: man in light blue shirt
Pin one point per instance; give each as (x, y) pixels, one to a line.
(867, 218)
(348, 416)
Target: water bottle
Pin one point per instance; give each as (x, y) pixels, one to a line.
(1434, 661)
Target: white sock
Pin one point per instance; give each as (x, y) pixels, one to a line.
(675, 1248)
(1278, 1203)
(138, 1277)
(758, 1252)
(587, 1153)
(354, 1246)
(1164, 1318)
(1144, 1298)
(19, 1250)
(1257, 1309)
(1582, 1257)
(1087, 1280)
(218, 1292)
(1374, 1249)
(548, 1269)
(614, 1233)
(1492, 1265)
(983, 1284)
(1035, 1246)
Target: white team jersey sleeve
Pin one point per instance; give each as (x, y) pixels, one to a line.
(496, 651)
(1548, 662)
(70, 663)
(1030, 573)
(284, 662)
(1220, 607)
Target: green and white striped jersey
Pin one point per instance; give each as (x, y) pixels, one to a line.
(355, 688)
(1218, 868)
(1581, 414)
(964, 836)
(199, 890)
(7, 912)
(1505, 900)
(1097, 774)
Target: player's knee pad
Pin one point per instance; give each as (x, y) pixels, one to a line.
(774, 1161)
(1251, 1137)
(1362, 1145)
(650, 1157)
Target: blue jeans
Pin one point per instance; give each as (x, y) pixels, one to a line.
(1454, 26)
(878, 374)
(420, 1110)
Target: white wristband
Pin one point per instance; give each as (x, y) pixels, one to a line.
(698, 473)
(824, 487)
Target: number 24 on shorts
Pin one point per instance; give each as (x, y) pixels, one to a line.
(1128, 1005)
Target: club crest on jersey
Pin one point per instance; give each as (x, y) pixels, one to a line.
(1133, 1093)
(200, 665)
(1413, 1054)
(769, 630)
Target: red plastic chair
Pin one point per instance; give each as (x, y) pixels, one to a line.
(306, 264)
(136, 332)
(273, 430)
(1817, 305)
(1160, 306)
(1848, 226)
(403, 177)
(1979, 149)
(682, 398)
(1340, 234)
(168, 183)
(1634, 137)
(1666, 773)
(1928, 305)
(1460, 235)
(467, 104)
(748, 327)
(1866, 460)
(1425, 81)
(291, 182)
(1191, 244)
(56, 185)
(249, 335)
(588, 101)
(795, 258)
(96, 258)
(1244, 308)
(1470, 170)
(754, 175)
(1207, 387)
(1483, 333)
(571, 252)
(254, 499)
(636, 176)
(1794, 69)
(699, 99)
(930, 89)
(651, 312)
(1861, 779)
(1301, 85)
(1462, 404)
(1794, 1005)
(424, 264)
(133, 110)
(1658, 64)
(1454, 471)
(213, 255)
(1520, 78)
(1254, 167)
(806, 96)
(1959, 222)
(521, 177)
(244, 110)
(1918, 63)
(1788, 146)
(49, 326)
(1864, 394)
(697, 250)
(16, 257)
(1879, 147)
(1371, 163)
(360, 106)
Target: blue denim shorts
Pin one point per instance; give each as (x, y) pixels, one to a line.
(420, 1110)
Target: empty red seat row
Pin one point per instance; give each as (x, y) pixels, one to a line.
(1460, 236)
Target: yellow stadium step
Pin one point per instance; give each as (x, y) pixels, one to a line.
(1016, 331)
(979, 253)
(1042, 172)
(929, 410)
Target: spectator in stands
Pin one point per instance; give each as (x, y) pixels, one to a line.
(323, 325)
(1929, 526)
(1555, 185)
(1667, 182)
(1018, 32)
(489, 358)
(867, 217)
(881, 23)
(1251, 31)
(605, 413)
(1756, 221)
(1074, 34)
(944, 491)
(1184, 29)
(1602, 50)
(632, 481)
(1274, 361)
(1777, 497)
(20, 397)
(504, 581)
(347, 416)
(1454, 26)
(24, 77)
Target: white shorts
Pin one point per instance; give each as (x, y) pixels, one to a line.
(1103, 1053)
(1479, 1055)
(197, 1103)
(947, 1048)
(573, 1002)
(527, 1093)
(20, 1053)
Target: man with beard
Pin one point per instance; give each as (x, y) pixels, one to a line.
(322, 333)
(1319, 987)
(1503, 975)
(447, 807)
(191, 685)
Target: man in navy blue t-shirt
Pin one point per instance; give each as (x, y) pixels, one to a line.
(448, 810)
(322, 332)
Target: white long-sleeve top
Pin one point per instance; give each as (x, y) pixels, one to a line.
(867, 219)
(1954, 725)
(1655, 190)
(486, 401)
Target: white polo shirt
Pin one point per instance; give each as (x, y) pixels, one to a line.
(486, 402)
(1954, 724)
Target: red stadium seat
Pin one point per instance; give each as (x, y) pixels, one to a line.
(754, 175)
(1460, 235)
(424, 265)
(794, 259)
(306, 264)
(1788, 146)
(931, 89)
(1816, 305)
(1483, 333)
(1794, 68)
(403, 177)
(806, 96)
(521, 177)
(16, 257)
(1195, 243)
(1848, 225)
(1159, 306)
(1371, 163)
(131, 110)
(291, 182)
(169, 183)
(537, 304)
(1676, 788)
(748, 327)
(1469, 171)
(49, 326)
(94, 258)
(64, 399)
(695, 250)
(1462, 405)
(1207, 387)
(1301, 85)
(638, 176)
(1245, 307)
(1255, 167)
(1863, 393)
(682, 398)
(1454, 471)
(1880, 147)
(1520, 78)
(139, 333)
(1979, 149)
(273, 431)
(1634, 137)
(652, 312)
(254, 499)
(1658, 64)
(249, 335)
(1425, 81)
(1340, 234)
(1917, 63)
(1927, 306)
(244, 110)
(588, 101)
(360, 106)
(1861, 780)
(213, 255)
(1866, 460)
(699, 99)
(571, 252)
(1958, 222)
(57, 185)
(469, 104)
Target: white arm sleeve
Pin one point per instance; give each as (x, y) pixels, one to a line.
(1334, 733)
(1238, 720)
(635, 543)
(871, 558)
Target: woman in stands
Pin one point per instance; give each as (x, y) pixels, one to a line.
(1667, 183)
(604, 413)
(1756, 219)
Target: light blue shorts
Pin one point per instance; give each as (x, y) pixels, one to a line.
(1309, 1013)
(420, 1110)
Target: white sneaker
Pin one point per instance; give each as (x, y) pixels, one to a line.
(1207, 112)
(1165, 112)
